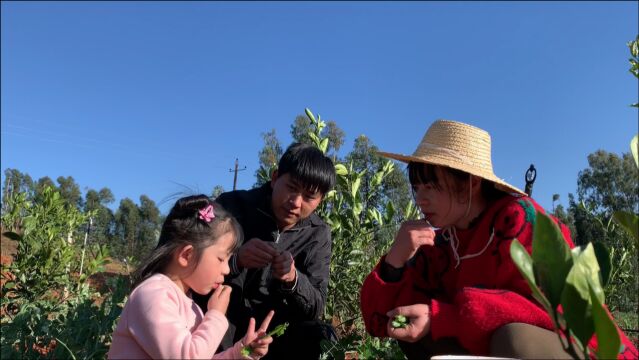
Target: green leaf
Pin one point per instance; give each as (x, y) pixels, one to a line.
(309, 114)
(629, 221)
(524, 263)
(576, 296)
(355, 187)
(551, 258)
(634, 148)
(323, 146)
(607, 336)
(340, 169)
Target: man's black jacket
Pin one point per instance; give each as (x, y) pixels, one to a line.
(255, 291)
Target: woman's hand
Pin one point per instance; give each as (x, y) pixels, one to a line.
(256, 340)
(411, 235)
(418, 326)
(220, 298)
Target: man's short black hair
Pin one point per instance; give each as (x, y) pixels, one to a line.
(308, 165)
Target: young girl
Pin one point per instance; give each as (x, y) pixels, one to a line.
(451, 273)
(160, 320)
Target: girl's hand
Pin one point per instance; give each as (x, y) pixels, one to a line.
(411, 235)
(220, 298)
(418, 326)
(256, 340)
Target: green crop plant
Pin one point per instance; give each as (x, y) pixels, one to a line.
(573, 279)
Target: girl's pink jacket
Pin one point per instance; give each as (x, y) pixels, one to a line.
(160, 321)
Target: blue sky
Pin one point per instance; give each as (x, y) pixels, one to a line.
(148, 97)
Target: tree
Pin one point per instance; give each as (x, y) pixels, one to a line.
(610, 183)
(335, 137)
(104, 220)
(15, 182)
(555, 197)
(395, 187)
(40, 185)
(217, 190)
(566, 217)
(70, 191)
(268, 157)
(149, 226)
(302, 126)
(127, 220)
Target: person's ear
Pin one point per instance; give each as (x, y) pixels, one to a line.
(185, 256)
(273, 178)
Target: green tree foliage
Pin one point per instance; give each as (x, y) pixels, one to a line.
(104, 219)
(149, 226)
(302, 127)
(610, 183)
(269, 155)
(43, 246)
(70, 191)
(137, 228)
(217, 190)
(15, 183)
(358, 243)
(394, 188)
(48, 310)
(127, 220)
(40, 185)
(607, 186)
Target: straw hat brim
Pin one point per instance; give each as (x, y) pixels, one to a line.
(499, 183)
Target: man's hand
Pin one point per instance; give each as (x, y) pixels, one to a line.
(418, 326)
(283, 268)
(256, 254)
(411, 235)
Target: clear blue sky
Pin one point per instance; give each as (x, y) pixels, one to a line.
(141, 97)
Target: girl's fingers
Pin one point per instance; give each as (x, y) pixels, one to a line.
(218, 290)
(266, 322)
(250, 332)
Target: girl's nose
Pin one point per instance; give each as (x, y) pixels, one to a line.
(226, 268)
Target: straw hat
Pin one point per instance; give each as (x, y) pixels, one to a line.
(459, 146)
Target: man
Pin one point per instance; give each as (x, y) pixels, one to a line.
(284, 261)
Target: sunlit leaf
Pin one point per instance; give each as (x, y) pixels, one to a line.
(340, 169)
(309, 114)
(607, 336)
(551, 257)
(634, 148)
(582, 279)
(523, 261)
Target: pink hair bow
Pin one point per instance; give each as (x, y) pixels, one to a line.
(207, 214)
